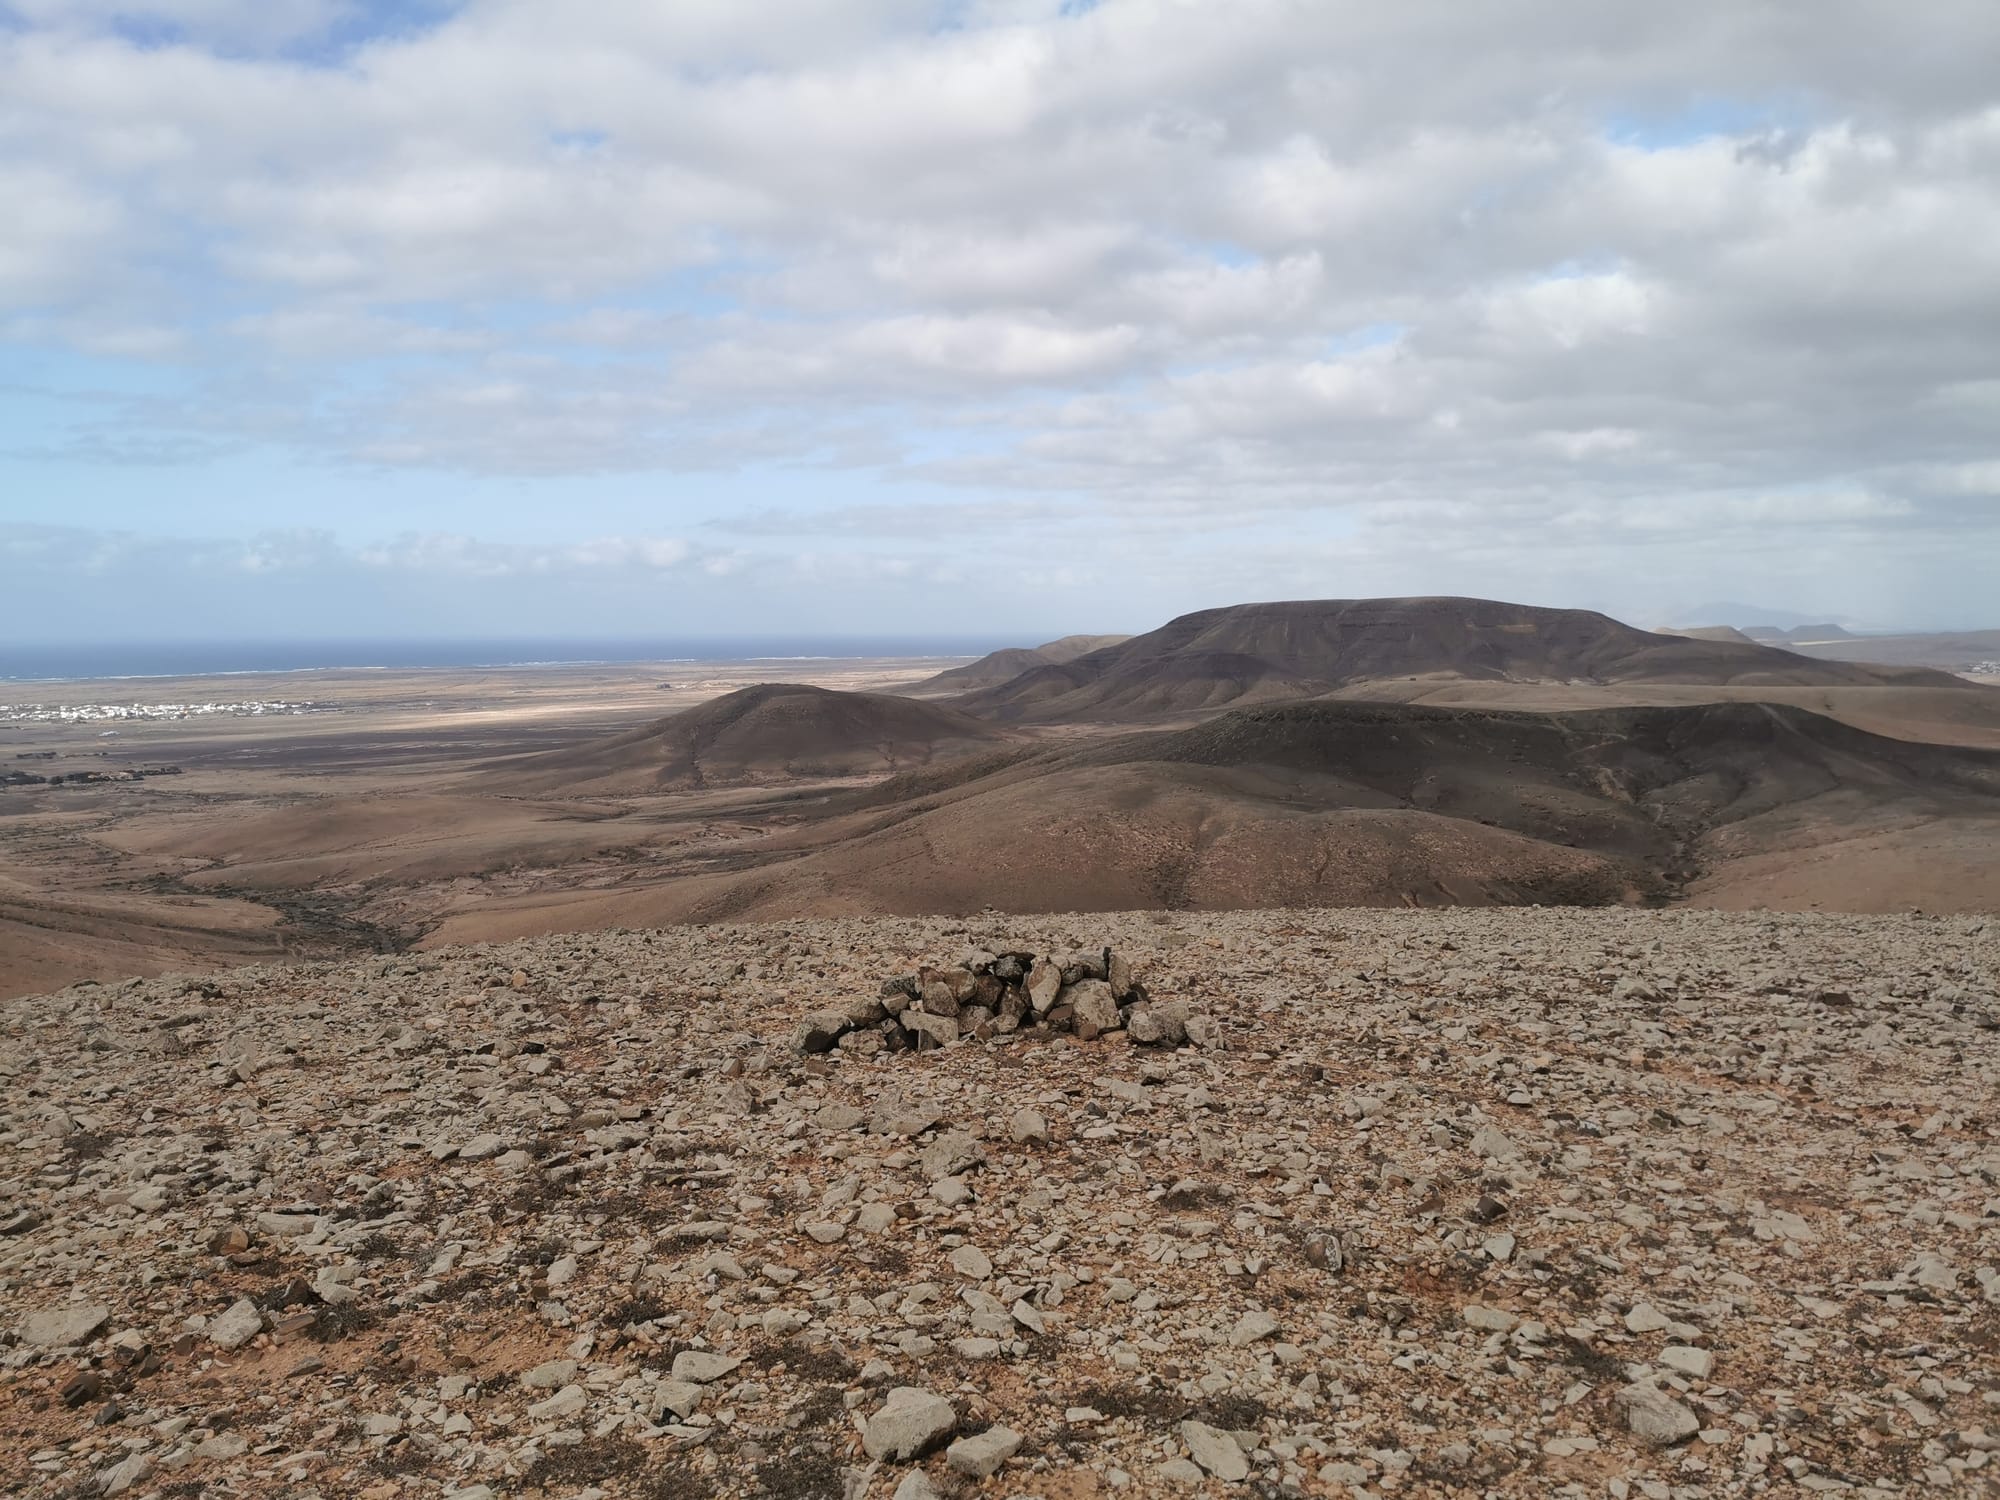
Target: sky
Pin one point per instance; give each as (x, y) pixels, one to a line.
(998, 318)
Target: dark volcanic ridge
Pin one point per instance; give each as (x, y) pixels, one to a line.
(769, 732)
(1335, 803)
(1254, 653)
(998, 667)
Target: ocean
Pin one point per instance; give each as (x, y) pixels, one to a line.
(42, 663)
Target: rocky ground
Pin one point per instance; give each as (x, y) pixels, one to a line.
(1451, 1203)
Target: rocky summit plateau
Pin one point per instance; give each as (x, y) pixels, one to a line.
(1462, 1202)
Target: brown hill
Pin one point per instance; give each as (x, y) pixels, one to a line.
(1004, 665)
(1252, 653)
(772, 731)
(1706, 633)
(1332, 803)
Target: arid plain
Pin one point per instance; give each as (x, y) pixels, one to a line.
(381, 810)
(350, 788)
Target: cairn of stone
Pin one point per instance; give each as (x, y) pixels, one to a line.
(989, 996)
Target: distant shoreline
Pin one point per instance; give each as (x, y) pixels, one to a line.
(139, 663)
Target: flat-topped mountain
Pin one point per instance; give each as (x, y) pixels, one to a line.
(771, 731)
(1005, 665)
(1259, 653)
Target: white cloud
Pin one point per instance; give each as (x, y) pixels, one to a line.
(234, 23)
(54, 226)
(1548, 263)
(454, 553)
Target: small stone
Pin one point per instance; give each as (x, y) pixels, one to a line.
(554, 1375)
(951, 1153)
(826, 1231)
(1216, 1451)
(870, 1043)
(971, 1262)
(567, 1402)
(1487, 1319)
(237, 1326)
(977, 1457)
(1180, 1471)
(1683, 1359)
(894, 1117)
(931, 1030)
(916, 1485)
(1323, 1250)
(1252, 1326)
(63, 1327)
(911, 1422)
(1645, 1318)
(1119, 973)
(702, 1367)
(681, 1397)
(700, 1229)
(1096, 1012)
(1159, 1025)
(1654, 1416)
(820, 1031)
(330, 1285)
(1028, 1127)
(482, 1146)
(1044, 985)
(127, 1472)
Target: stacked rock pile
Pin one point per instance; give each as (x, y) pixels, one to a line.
(987, 995)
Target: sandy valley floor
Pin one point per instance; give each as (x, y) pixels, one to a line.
(94, 879)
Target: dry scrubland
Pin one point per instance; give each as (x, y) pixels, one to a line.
(1464, 1203)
